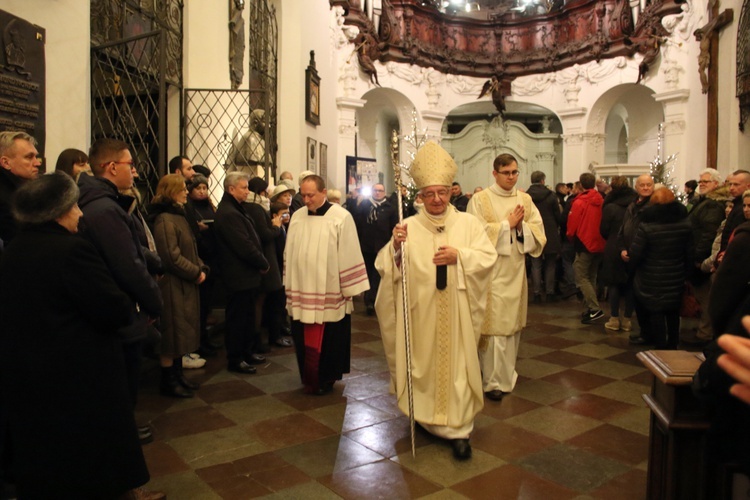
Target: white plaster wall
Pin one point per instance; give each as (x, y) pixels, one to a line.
(68, 78)
(734, 146)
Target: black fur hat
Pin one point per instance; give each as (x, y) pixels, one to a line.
(44, 199)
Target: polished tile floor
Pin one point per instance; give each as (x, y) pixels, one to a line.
(575, 427)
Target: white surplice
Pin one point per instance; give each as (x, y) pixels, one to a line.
(323, 266)
(444, 324)
(507, 303)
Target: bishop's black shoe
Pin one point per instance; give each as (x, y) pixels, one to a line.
(461, 449)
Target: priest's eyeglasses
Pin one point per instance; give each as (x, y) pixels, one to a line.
(508, 173)
(435, 194)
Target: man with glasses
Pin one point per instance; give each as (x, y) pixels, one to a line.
(514, 226)
(448, 267)
(107, 224)
(705, 217)
(375, 218)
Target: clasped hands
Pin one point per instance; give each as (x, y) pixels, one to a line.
(446, 255)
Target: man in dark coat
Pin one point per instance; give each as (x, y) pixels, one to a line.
(644, 186)
(112, 230)
(705, 217)
(241, 265)
(62, 367)
(739, 182)
(375, 218)
(458, 198)
(547, 203)
(19, 162)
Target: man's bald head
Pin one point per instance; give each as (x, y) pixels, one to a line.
(644, 185)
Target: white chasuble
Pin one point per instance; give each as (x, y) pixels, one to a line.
(323, 266)
(444, 324)
(508, 295)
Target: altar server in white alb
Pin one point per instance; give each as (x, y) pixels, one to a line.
(515, 228)
(448, 265)
(323, 270)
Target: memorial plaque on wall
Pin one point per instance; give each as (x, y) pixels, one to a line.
(22, 75)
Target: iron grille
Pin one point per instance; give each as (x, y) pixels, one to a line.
(219, 134)
(128, 92)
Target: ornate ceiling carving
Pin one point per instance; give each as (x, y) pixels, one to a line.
(508, 46)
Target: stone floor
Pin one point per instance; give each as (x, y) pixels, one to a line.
(574, 427)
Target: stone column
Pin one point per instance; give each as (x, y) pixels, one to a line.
(347, 137)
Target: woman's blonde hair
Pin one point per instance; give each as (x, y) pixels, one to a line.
(169, 186)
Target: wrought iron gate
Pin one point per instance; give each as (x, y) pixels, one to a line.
(220, 126)
(128, 93)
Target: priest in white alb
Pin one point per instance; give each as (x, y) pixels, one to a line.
(448, 265)
(323, 270)
(515, 228)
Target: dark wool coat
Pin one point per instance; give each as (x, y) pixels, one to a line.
(662, 256)
(240, 258)
(731, 284)
(705, 218)
(113, 232)
(614, 270)
(8, 185)
(375, 234)
(549, 208)
(268, 234)
(63, 375)
(630, 224)
(175, 242)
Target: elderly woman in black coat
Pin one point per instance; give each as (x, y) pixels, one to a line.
(662, 256)
(63, 375)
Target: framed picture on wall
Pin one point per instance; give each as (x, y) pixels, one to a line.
(312, 155)
(312, 92)
(323, 161)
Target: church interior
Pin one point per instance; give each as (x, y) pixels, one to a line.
(610, 87)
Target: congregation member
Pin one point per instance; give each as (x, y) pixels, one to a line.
(644, 187)
(200, 200)
(375, 218)
(567, 285)
(268, 230)
(184, 272)
(107, 224)
(64, 380)
(323, 271)
(20, 162)
(738, 182)
(283, 194)
(445, 314)
(583, 230)
(690, 191)
(297, 200)
(547, 203)
(662, 256)
(706, 216)
(614, 272)
(515, 228)
(458, 198)
(334, 196)
(182, 166)
(241, 264)
(73, 162)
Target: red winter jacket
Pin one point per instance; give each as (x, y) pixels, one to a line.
(584, 220)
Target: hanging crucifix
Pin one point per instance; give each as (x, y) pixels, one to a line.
(708, 59)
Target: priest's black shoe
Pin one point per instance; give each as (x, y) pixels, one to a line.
(324, 388)
(495, 394)
(242, 367)
(256, 359)
(461, 449)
